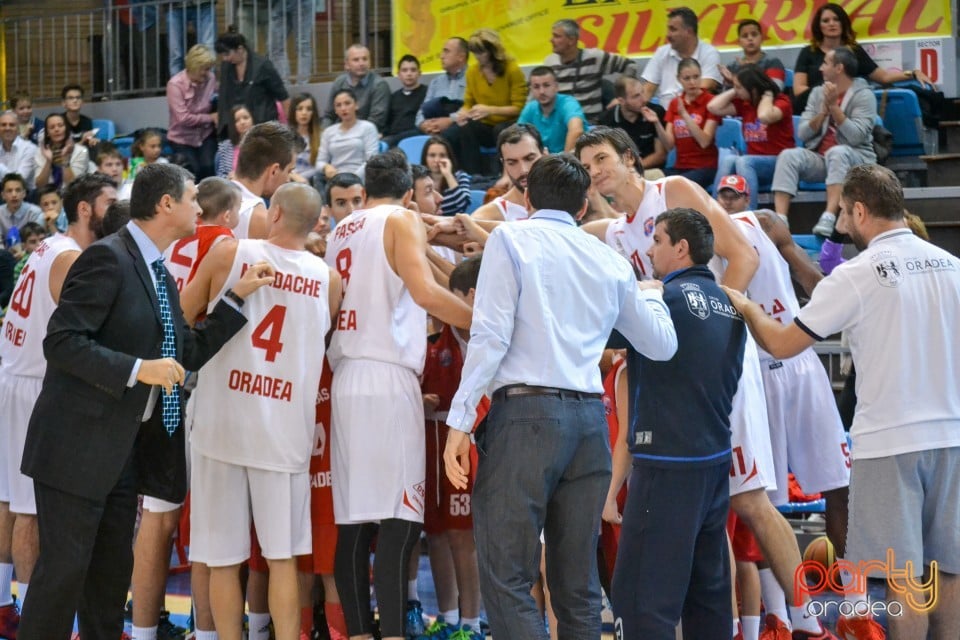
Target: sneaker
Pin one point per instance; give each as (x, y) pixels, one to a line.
(9, 621)
(438, 630)
(860, 629)
(166, 630)
(465, 633)
(806, 635)
(774, 629)
(413, 622)
(824, 226)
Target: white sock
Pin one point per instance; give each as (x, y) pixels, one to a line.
(736, 627)
(6, 577)
(472, 623)
(259, 626)
(783, 217)
(205, 635)
(143, 633)
(412, 592)
(803, 621)
(774, 601)
(451, 617)
(751, 627)
(857, 599)
(22, 592)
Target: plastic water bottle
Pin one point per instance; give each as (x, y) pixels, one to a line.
(12, 238)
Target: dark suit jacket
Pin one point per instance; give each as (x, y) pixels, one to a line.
(87, 423)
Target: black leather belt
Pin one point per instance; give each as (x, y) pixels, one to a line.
(521, 390)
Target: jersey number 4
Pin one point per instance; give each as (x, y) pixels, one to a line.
(267, 334)
(22, 298)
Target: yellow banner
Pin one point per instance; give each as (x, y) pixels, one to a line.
(637, 27)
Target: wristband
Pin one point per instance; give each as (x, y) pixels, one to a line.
(230, 293)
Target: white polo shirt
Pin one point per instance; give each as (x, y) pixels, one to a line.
(662, 69)
(898, 301)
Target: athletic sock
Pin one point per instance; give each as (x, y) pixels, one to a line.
(472, 623)
(803, 621)
(205, 635)
(413, 592)
(451, 617)
(6, 577)
(335, 620)
(143, 633)
(751, 627)
(774, 600)
(22, 592)
(259, 626)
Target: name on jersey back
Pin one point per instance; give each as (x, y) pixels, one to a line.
(292, 282)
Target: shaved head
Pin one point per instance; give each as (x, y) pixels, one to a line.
(299, 206)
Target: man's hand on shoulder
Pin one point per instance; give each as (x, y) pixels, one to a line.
(258, 275)
(650, 285)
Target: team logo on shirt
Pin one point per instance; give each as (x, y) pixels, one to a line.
(696, 301)
(886, 267)
(648, 226)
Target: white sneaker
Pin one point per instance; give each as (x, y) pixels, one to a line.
(825, 224)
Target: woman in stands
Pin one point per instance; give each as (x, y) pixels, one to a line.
(767, 115)
(240, 122)
(691, 128)
(191, 130)
(304, 118)
(59, 160)
(496, 92)
(448, 180)
(346, 146)
(831, 28)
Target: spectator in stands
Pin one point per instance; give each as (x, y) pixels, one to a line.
(347, 145)
(452, 184)
(15, 212)
(445, 93)
(558, 116)
(661, 73)
(192, 127)
(372, 93)
(60, 161)
(240, 121)
(249, 79)
(79, 126)
(54, 217)
(202, 13)
(136, 40)
(297, 16)
(304, 118)
(767, 116)
(30, 126)
(496, 91)
(16, 154)
(831, 29)
(629, 114)
(751, 37)
(691, 128)
(111, 163)
(31, 235)
(580, 71)
(9, 256)
(837, 133)
(147, 149)
(405, 102)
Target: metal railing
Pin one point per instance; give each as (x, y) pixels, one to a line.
(130, 50)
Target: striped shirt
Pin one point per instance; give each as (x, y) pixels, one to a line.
(582, 76)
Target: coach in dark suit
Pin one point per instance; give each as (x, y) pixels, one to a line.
(99, 433)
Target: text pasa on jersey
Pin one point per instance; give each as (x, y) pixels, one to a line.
(348, 228)
(292, 282)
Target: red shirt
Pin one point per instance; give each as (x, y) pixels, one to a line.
(766, 139)
(690, 155)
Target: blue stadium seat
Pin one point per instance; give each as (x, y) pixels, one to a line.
(809, 243)
(413, 148)
(107, 129)
(904, 120)
(788, 80)
(730, 135)
(476, 199)
(671, 159)
(383, 146)
(123, 144)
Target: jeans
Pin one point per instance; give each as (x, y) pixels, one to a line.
(544, 466)
(204, 19)
(287, 16)
(755, 169)
(794, 165)
(703, 176)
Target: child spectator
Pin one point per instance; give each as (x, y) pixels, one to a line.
(751, 37)
(241, 121)
(111, 163)
(54, 217)
(79, 126)
(405, 102)
(31, 235)
(15, 212)
(147, 149)
(29, 126)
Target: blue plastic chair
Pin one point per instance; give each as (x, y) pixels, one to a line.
(904, 120)
(413, 148)
(730, 135)
(108, 130)
(383, 146)
(476, 199)
(788, 80)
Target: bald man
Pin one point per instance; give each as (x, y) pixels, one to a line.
(254, 419)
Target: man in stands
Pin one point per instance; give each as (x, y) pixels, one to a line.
(660, 74)
(559, 118)
(445, 93)
(372, 91)
(628, 114)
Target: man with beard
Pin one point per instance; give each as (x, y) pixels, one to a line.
(519, 145)
(36, 295)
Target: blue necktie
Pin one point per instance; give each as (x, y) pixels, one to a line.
(170, 401)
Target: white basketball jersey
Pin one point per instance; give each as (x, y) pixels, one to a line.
(378, 319)
(248, 201)
(31, 305)
(511, 211)
(771, 286)
(632, 236)
(255, 399)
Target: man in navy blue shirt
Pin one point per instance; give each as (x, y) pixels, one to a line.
(679, 441)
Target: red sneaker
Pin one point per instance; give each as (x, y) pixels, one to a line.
(822, 635)
(860, 629)
(775, 629)
(9, 621)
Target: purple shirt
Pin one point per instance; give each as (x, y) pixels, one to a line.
(191, 121)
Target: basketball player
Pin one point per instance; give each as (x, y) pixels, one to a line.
(519, 146)
(267, 156)
(255, 413)
(35, 296)
(377, 353)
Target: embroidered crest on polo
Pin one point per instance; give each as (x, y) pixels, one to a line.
(887, 269)
(696, 300)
